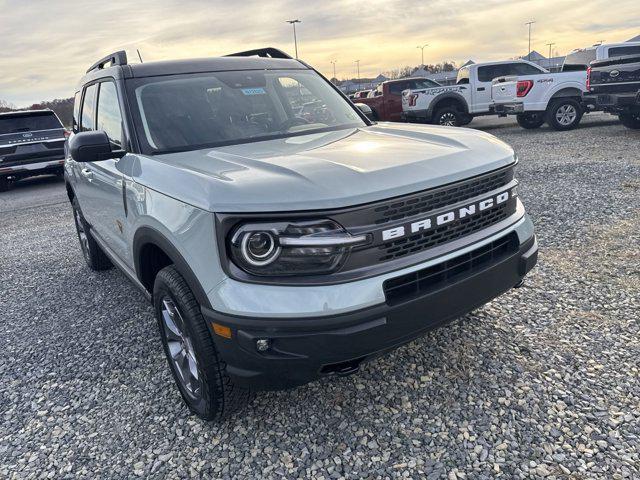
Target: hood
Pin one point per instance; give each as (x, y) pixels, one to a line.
(323, 170)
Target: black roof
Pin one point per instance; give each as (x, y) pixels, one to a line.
(234, 62)
(26, 113)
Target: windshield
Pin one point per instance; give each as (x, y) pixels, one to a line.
(28, 122)
(186, 112)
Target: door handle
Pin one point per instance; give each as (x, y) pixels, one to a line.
(86, 173)
(481, 89)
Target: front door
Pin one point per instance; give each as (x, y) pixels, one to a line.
(102, 196)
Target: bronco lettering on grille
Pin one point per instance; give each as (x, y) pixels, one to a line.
(434, 221)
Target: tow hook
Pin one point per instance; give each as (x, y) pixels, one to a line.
(519, 284)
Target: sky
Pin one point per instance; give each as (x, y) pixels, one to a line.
(47, 45)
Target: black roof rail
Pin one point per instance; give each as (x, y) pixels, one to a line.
(268, 52)
(115, 58)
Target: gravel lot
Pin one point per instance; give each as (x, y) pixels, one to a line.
(542, 382)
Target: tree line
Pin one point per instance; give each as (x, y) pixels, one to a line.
(63, 107)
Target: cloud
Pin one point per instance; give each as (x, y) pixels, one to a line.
(47, 44)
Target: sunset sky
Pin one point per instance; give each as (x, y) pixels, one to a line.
(46, 45)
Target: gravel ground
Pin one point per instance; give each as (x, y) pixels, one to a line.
(542, 382)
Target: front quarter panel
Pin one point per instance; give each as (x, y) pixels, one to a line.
(186, 233)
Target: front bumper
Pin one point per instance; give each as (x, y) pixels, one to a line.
(509, 108)
(302, 350)
(417, 116)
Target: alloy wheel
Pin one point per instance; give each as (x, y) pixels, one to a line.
(448, 119)
(566, 115)
(181, 349)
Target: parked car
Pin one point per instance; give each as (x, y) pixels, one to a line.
(278, 249)
(386, 100)
(554, 98)
(613, 85)
(470, 97)
(31, 143)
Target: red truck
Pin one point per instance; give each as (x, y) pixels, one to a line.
(386, 103)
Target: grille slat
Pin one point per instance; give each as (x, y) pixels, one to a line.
(430, 279)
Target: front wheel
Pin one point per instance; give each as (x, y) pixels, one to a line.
(448, 117)
(564, 114)
(630, 120)
(198, 371)
(530, 120)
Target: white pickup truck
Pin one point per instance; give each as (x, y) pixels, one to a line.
(456, 105)
(554, 98)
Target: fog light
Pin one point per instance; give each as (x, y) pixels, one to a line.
(262, 345)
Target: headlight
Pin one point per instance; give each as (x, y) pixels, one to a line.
(292, 248)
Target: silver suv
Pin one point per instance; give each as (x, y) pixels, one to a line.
(280, 234)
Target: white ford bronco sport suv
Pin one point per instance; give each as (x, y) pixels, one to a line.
(280, 234)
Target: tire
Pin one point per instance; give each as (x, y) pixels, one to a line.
(530, 121)
(448, 117)
(630, 120)
(94, 256)
(465, 120)
(5, 184)
(188, 346)
(564, 114)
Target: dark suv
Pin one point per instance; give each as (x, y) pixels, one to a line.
(613, 85)
(31, 143)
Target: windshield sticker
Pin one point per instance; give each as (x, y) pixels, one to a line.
(254, 91)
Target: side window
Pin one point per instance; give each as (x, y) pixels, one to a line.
(397, 88)
(526, 69)
(622, 51)
(88, 108)
(486, 74)
(109, 117)
(76, 113)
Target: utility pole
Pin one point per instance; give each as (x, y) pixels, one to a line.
(551, 44)
(358, 68)
(333, 62)
(421, 47)
(295, 39)
(529, 23)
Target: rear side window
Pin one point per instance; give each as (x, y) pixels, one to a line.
(109, 117)
(525, 69)
(622, 51)
(28, 122)
(488, 73)
(397, 87)
(89, 109)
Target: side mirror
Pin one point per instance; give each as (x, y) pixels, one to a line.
(92, 147)
(366, 109)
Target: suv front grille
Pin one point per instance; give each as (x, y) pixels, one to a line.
(422, 282)
(438, 198)
(447, 233)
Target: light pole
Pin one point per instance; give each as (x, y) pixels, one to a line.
(333, 62)
(551, 44)
(529, 23)
(358, 69)
(421, 47)
(295, 39)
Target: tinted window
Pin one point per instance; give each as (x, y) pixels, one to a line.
(188, 112)
(525, 69)
(621, 51)
(109, 118)
(396, 88)
(488, 73)
(88, 108)
(579, 60)
(29, 122)
(424, 83)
